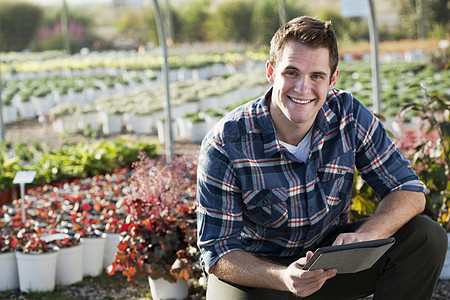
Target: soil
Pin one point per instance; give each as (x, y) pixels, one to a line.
(31, 130)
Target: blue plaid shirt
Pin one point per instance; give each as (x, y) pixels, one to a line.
(254, 195)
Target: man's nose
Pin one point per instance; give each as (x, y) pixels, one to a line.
(302, 85)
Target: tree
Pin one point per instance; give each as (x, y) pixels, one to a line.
(193, 18)
(231, 21)
(435, 21)
(19, 23)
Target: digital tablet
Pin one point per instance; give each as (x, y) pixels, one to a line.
(349, 258)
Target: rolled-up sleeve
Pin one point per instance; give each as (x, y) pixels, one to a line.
(381, 163)
(219, 205)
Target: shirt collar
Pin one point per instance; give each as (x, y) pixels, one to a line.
(324, 117)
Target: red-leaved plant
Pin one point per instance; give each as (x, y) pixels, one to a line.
(158, 238)
(28, 240)
(5, 241)
(428, 147)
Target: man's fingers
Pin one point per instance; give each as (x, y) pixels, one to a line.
(312, 281)
(302, 261)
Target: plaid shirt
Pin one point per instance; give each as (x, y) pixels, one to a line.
(254, 195)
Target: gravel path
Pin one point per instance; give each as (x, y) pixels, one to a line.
(116, 287)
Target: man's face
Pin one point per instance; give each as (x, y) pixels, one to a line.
(301, 80)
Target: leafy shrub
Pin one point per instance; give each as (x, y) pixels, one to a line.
(72, 160)
(159, 236)
(231, 21)
(19, 23)
(429, 148)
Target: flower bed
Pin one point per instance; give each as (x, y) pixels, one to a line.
(104, 203)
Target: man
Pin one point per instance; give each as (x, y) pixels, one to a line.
(275, 178)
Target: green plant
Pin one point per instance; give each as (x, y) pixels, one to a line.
(9, 165)
(79, 160)
(431, 156)
(66, 109)
(194, 117)
(15, 34)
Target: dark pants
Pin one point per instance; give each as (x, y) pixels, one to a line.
(410, 269)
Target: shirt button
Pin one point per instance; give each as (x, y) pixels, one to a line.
(308, 178)
(265, 201)
(311, 209)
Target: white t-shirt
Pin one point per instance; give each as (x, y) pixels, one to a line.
(301, 151)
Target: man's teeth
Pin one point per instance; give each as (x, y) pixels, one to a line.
(300, 101)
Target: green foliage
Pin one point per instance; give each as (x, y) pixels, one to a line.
(9, 165)
(364, 200)
(435, 23)
(19, 23)
(76, 160)
(193, 18)
(432, 156)
(231, 21)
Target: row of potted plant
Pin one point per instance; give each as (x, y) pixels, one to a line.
(35, 96)
(152, 207)
(140, 110)
(66, 223)
(131, 60)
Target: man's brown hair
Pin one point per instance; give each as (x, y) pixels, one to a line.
(308, 31)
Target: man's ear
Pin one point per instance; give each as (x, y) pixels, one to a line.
(270, 72)
(333, 79)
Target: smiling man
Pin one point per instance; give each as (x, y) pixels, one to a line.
(275, 178)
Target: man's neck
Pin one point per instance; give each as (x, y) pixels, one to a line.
(286, 130)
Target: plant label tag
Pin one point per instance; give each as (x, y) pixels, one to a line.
(24, 177)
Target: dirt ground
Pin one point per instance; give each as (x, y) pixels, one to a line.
(31, 130)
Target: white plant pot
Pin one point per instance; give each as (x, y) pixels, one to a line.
(140, 124)
(37, 271)
(9, 280)
(199, 130)
(65, 124)
(184, 127)
(42, 105)
(161, 126)
(210, 102)
(445, 273)
(26, 110)
(112, 241)
(88, 119)
(69, 267)
(163, 289)
(111, 123)
(93, 252)
(187, 107)
(9, 114)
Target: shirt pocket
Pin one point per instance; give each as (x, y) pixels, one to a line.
(336, 180)
(267, 207)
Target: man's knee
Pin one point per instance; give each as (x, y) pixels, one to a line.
(426, 233)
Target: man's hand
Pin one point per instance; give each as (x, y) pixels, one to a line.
(394, 211)
(302, 282)
(353, 237)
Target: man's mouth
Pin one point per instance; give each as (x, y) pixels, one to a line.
(300, 101)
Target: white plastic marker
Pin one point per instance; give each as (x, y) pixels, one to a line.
(21, 178)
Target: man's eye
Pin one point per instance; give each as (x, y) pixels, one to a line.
(291, 73)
